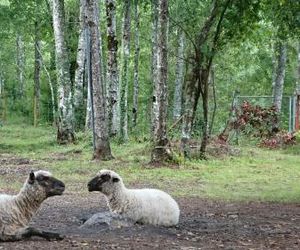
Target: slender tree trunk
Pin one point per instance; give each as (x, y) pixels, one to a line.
(1, 95)
(20, 64)
(112, 69)
(179, 77)
(2, 98)
(212, 83)
(65, 131)
(51, 88)
(153, 76)
(274, 66)
(191, 83)
(204, 94)
(125, 75)
(102, 149)
(298, 75)
(136, 64)
(102, 54)
(37, 75)
(88, 115)
(280, 74)
(161, 152)
(79, 107)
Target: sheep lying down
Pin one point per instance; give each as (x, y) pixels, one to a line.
(16, 211)
(149, 206)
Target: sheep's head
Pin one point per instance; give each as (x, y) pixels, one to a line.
(43, 182)
(106, 181)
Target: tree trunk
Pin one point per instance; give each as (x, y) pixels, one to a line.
(211, 82)
(102, 149)
(204, 94)
(2, 98)
(37, 75)
(51, 89)
(20, 64)
(125, 75)
(136, 64)
(161, 152)
(198, 82)
(179, 77)
(153, 76)
(112, 69)
(65, 131)
(79, 107)
(298, 75)
(280, 74)
(191, 83)
(88, 116)
(274, 66)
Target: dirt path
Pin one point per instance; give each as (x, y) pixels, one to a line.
(204, 225)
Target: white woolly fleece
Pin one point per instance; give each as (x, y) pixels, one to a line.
(151, 206)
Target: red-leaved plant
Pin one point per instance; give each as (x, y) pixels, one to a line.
(263, 123)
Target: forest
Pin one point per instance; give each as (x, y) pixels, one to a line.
(154, 71)
(200, 98)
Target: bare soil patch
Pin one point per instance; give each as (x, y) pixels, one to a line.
(204, 224)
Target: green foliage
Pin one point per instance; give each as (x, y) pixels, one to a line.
(243, 59)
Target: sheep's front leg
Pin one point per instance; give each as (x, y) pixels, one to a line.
(30, 231)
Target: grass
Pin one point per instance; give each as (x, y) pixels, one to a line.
(256, 174)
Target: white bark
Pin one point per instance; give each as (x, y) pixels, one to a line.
(161, 152)
(136, 64)
(112, 69)
(124, 74)
(179, 77)
(153, 76)
(65, 111)
(298, 71)
(88, 115)
(280, 74)
(102, 149)
(37, 75)
(20, 64)
(80, 61)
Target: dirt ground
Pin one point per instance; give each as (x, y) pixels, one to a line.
(204, 224)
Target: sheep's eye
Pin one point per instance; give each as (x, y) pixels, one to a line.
(43, 178)
(105, 177)
(115, 179)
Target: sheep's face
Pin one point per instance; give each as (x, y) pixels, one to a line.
(44, 182)
(106, 181)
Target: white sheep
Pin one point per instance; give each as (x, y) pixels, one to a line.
(16, 211)
(151, 206)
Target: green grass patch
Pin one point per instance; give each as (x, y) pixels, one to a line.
(256, 174)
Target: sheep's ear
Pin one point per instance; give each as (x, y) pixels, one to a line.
(31, 178)
(115, 179)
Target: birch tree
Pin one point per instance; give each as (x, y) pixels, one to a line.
(37, 73)
(125, 73)
(102, 149)
(136, 64)
(298, 69)
(161, 153)
(79, 72)
(112, 69)
(65, 130)
(20, 64)
(153, 75)
(280, 74)
(179, 76)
